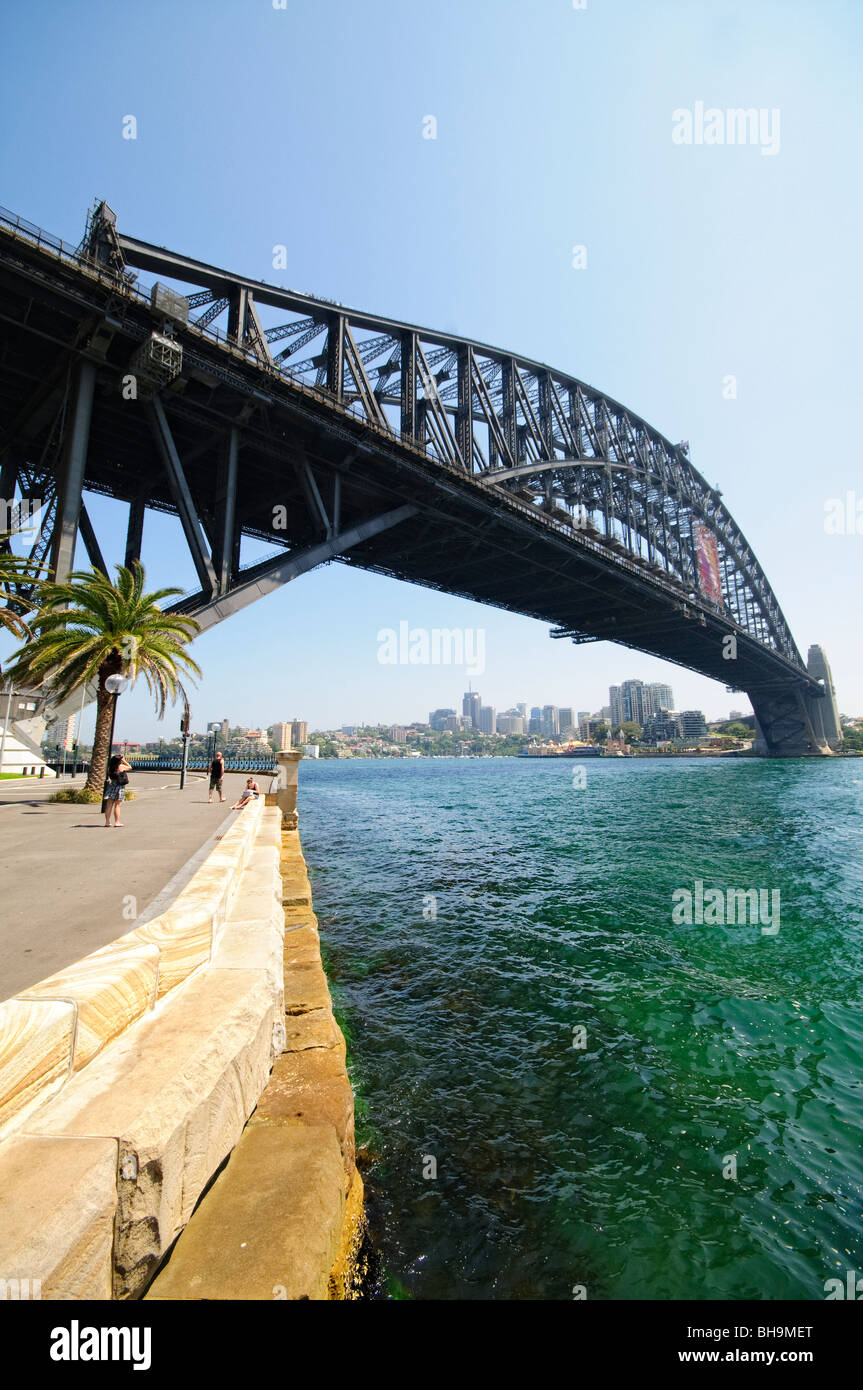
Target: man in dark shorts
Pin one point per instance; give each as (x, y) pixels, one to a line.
(217, 772)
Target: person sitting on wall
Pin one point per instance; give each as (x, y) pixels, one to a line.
(250, 793)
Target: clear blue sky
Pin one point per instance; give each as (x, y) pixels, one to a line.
(303, 126)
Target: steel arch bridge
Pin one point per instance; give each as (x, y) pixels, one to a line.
(249, 410)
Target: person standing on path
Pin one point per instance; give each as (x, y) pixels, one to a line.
(217, 772)
(115, 789)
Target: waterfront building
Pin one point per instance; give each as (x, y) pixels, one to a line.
(692, 724)
(311, 750)
(398, 735)
(663, 726)
(280, 734)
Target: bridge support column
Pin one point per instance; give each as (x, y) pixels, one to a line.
(226, 512)
(135, 530)
(788, 725)
(72, 475)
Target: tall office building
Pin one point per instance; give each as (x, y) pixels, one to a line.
(565, 718)
(614, 702)
(299, 733)
(470, 707)
(61, 734)
(280, 734)
(535, 722)
(632, 702)
(510, 723)
(487, 719)
(522, 709)
(657, 696)
(438, 718)
(550, 721)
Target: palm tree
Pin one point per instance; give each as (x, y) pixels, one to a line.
(14, 569)
(92, 627)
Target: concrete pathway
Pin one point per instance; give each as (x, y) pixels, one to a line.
(69, 886)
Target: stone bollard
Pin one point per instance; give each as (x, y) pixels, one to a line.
(285, 783)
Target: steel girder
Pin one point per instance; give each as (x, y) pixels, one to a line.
(545, 436)
(602, 485)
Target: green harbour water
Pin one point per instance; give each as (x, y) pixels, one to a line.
(476, 914)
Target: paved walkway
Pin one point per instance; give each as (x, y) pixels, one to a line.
(69, 886)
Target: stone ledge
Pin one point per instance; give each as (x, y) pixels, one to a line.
(101, 996)
(287, 1212)
(271, 1224)
(169, 1096)
(175, 1096)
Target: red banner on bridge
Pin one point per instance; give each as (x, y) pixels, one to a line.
(709, 576)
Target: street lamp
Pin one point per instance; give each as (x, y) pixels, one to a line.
(214, 730)
(115, 685)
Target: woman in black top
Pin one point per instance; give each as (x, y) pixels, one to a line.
(115, 791)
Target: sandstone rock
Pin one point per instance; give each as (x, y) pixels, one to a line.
(306, 988)
(110, 989)
(269, 1227)
(35, 1054)
(57, 1217)
(175, 1093)
(315, 1029)
(311, 1088)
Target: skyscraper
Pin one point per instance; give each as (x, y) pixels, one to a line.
(299, 733)
(660, 695)
(614, 702)
(550, 721)
(565, 718)
(632, 702)
(487, 719)
(281, 734)
(470, 706)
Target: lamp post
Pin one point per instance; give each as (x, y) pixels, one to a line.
(115, 685)
(10, 691)
(214, 730)
(184, 730)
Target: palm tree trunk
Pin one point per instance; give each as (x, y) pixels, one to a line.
(99, 758)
